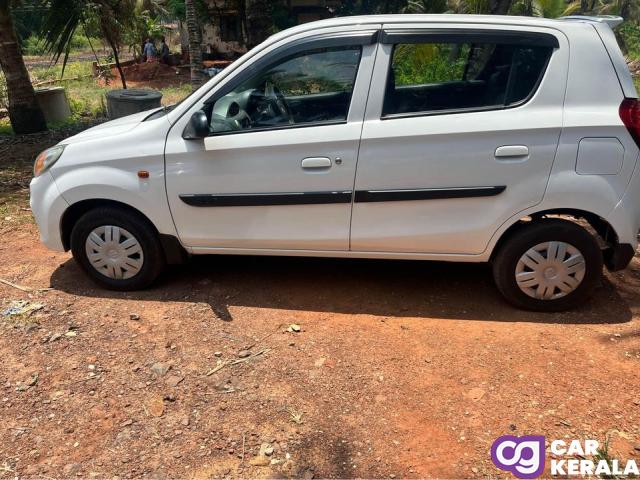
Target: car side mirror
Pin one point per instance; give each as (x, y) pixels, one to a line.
(198, 126)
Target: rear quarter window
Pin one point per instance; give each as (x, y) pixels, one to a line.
(436, 77)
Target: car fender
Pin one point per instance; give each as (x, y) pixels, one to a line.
(146, 195)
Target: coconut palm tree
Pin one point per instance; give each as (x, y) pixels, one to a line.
(64, 17)
(24, 112)
(195, 44)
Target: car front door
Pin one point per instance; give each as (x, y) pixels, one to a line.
(277, 168)
(461, 135)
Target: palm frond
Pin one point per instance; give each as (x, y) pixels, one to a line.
(61, 21)
(572, 8)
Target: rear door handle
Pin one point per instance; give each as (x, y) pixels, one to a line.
(316, 163)
(510, 151)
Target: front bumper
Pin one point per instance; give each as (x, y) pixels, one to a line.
(47, 206)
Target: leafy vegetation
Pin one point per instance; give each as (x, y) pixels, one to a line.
(4, 101)
(416, 64)
(629, 38)
(80, 43)
(145, 24)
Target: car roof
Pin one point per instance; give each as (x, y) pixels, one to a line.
(432, 18)
(399, 19)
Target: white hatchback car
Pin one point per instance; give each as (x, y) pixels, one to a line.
(439, 137)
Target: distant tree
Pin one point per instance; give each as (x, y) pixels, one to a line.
(368, 7)
(425, 6)
(545, 8)
(27, 18)
(176, 8)
(259, 20)
(24, 112)
(627, 9)
(64, 17)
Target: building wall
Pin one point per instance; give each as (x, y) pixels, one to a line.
(301, 11)
(212, 42)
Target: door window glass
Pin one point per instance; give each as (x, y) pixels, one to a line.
(311, 87)
(433, 77)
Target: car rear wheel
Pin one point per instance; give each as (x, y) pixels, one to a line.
(117, 248)
(550, 266)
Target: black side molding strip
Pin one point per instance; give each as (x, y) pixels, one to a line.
(320, 198)
(426, 194)
(266, 199)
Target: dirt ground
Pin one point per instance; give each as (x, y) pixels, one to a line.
(400, 369)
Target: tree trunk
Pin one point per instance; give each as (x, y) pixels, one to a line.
(625, 9)
(24, 112)
(116, 58)
(195, 44)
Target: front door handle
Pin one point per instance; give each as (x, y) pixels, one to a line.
(511, 151)
(316, 163)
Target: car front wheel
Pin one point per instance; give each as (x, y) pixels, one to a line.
(552, 265)
(117, 248)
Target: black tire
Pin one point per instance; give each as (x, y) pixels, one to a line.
(139, 227)
(527, 237)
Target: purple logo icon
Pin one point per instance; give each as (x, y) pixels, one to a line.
(522, 456)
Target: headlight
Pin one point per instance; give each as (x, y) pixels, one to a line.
(46, 159)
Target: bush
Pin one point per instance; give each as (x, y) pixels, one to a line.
(34, 45)
(629, 36)
(429, 63)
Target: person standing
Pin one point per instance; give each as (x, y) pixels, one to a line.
(149, 53)
(164, 52)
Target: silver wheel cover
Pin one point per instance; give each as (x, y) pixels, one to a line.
(114, 252)
(550, 270)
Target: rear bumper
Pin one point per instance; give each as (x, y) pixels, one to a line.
(618, 257)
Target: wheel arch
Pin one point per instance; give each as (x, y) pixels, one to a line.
(173, 250)
(600, 228)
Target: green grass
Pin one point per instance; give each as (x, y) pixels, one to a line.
(171, 95)
(5, 127)
(13, 208)
(54, 72)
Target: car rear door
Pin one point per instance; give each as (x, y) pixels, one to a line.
(277, 170)
(461, 135)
